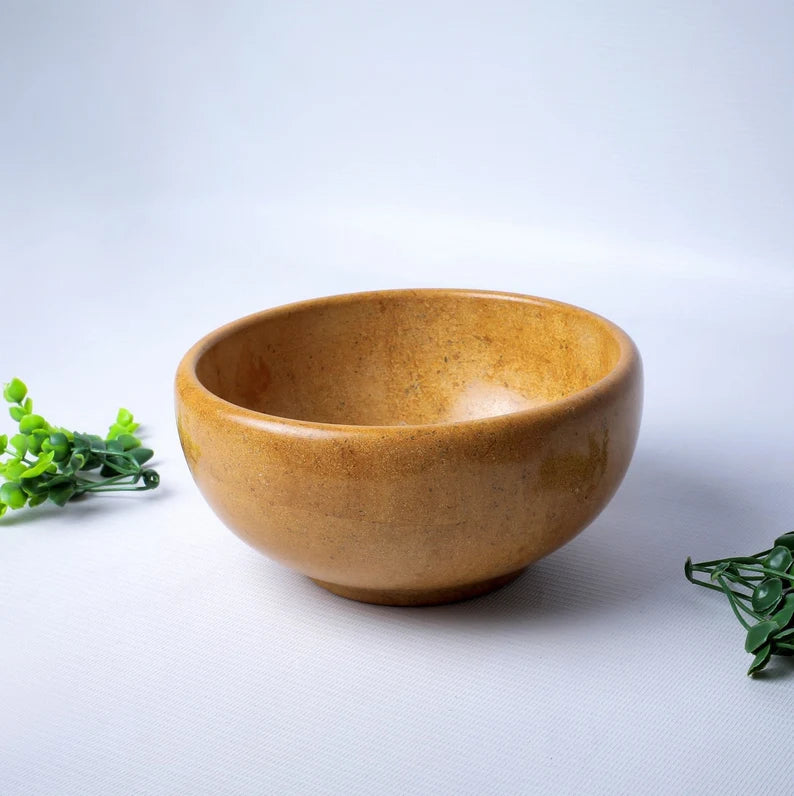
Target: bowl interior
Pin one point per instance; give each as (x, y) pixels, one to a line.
(412, 357)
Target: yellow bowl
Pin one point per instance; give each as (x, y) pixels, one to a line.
(410, 447)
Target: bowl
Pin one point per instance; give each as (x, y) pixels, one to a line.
(410, 447)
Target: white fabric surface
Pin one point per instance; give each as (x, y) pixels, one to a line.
(166, 171)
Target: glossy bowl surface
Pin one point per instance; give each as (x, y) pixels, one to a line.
(410, 447)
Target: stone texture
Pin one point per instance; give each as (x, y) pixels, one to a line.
(414, 446)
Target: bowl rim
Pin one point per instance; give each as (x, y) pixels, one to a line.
(628, 360)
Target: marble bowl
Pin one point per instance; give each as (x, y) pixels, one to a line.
(410, 447)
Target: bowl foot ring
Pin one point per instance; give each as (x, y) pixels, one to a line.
(446, 594)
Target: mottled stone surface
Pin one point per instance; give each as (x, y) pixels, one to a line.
(411, 446)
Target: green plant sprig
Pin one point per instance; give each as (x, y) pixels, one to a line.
(48, 462)
(760, 590)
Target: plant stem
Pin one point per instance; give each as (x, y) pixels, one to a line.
(775, 573)
(736, 559)
(735, 606)
(130, 488)
(704, 584)
(119, 469)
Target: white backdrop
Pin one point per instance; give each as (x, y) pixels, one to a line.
(166, 167)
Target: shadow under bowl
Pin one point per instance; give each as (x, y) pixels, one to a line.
(410, 447)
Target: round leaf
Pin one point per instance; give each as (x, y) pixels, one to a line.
(59, 443)
(17, 413)
(767, 595)
(12, 495)
(31, 422)
(787, 540)
(15, 391)
(36, 440)
(128, 441)
(779, 558)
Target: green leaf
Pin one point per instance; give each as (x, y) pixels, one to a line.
(767, 594)
(3, 443)
(60, 479)
(117, 465)
(59, 445)
(151, 479)
(37, 500)
(20, 443)
(28, 405)
(37, 485)
(779, 558)
(31, 422)
(114, 446)
(61, 494)
(141, 455)
(124, 417)
(761, 659)
(784, 616)
(117, 429)
(80, 440)
(787, 540)
(758, 635)
(41, 465)
(36, 440)
(128, 441)
(77, 461)
(92, 461)
(14, 469)
(3, 508)
(17, 413)
(15, 391)
(12, 495)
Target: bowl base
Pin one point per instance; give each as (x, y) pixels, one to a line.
(446, 594)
